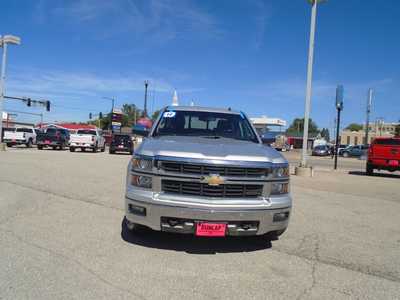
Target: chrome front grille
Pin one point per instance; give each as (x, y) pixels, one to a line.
(220, 191)
(200, 169)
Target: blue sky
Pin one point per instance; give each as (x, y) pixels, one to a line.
(249, 55)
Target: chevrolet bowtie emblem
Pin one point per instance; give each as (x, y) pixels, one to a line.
(212, 179)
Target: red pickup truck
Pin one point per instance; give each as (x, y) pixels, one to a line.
(384, 154)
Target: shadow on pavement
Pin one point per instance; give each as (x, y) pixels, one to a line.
(194, 245)
(388, 175)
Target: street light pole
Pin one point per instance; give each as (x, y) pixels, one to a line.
(369, 103)
(309, 83)
(146, 84)
(2, 87)
(4, 41)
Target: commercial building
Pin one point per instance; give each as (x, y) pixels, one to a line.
(263, 122)
(377, 129)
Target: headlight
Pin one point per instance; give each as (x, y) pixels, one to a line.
(279, 188)
(141, 181)
(280, 172)
(142, 164)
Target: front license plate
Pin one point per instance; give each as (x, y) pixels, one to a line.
(210, 229)
(47, 142)
(393, 162)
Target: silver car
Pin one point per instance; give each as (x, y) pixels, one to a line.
(206, 172)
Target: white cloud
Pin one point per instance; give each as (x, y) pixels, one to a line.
(79, 84)
(156, 20)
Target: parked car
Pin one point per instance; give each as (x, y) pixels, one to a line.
(384, 154)
(87, 139)
(121, 143)
(355, 151)
(341, 148)
(205, 172)
(55, 138)
(322, 150)
(20, 136)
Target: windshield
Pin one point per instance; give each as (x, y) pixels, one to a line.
(86, 131)
(391, 142)
(24, 130)
(51, 131)
(205, 124)
(121, 138)
(320, 147)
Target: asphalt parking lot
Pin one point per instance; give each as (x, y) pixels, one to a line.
(61, 238)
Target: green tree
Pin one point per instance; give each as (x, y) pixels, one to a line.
(354, 127)
(131, 114)
(297, 127)
(325, 134)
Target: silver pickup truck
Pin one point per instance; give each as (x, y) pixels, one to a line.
(206, 172)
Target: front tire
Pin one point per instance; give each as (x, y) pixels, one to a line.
(29, 144)
(369, 169)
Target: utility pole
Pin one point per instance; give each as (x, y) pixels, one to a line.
(369, 104)
(146, 84)
(307, 107)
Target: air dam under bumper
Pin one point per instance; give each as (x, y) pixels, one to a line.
(181, 219)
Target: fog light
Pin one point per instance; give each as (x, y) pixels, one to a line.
(137, 210)
(280, 217)
(141, 181)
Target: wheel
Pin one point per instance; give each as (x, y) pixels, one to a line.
(94, 149)
(345, 154)
(370, 169)
(133, 227)
(62, 147)
(111, 151)
(29, 144)
(71, 149)
(40, 147)
(9, 145)
(54, 147)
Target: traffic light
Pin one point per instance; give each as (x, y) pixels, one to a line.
(29, 102)
(100, 115)
(90, 116)
(47, 105)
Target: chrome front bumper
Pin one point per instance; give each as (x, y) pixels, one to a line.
(166, 212)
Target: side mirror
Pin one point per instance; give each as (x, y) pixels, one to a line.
(140, 130)
(267, 140)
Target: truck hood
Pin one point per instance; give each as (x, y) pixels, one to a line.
(209, 148)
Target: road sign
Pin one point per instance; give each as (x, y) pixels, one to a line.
(339, 97)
